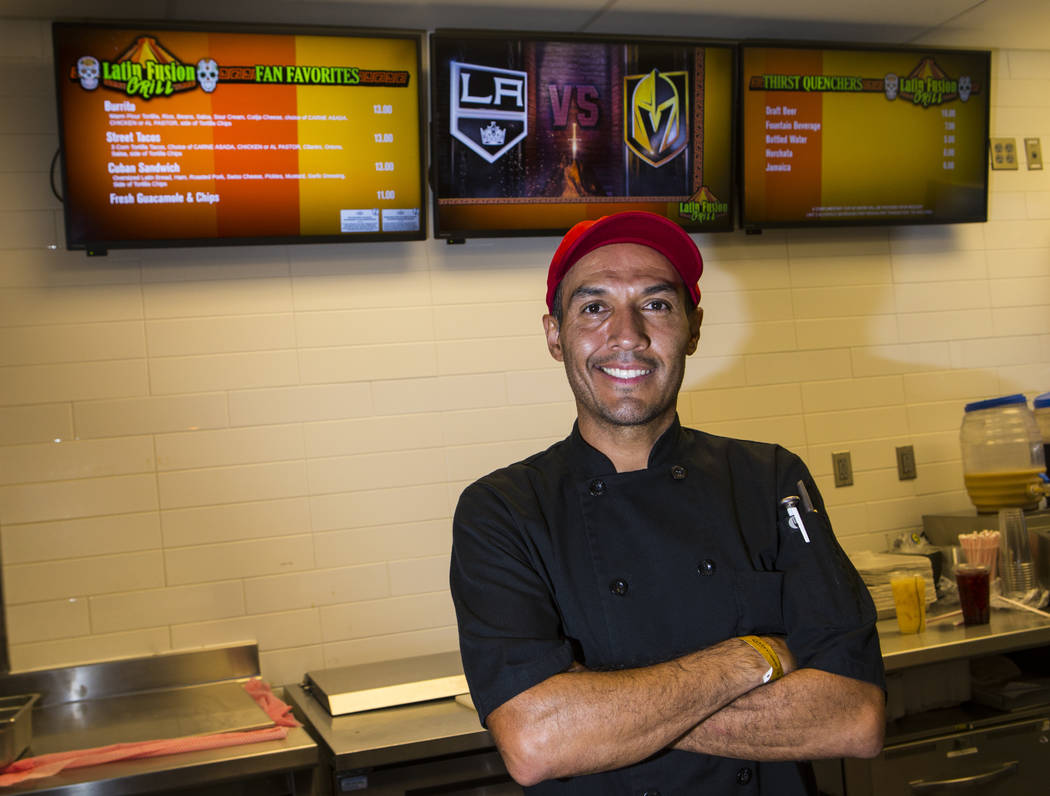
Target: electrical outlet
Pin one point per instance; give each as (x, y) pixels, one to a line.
(1004, 153)
(1033, 153)
(905, 463)
(842, 467)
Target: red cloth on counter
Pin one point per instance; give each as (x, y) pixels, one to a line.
(49, 765)
(279, 711)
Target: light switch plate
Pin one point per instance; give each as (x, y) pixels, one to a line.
(1033, 153)
(906, 463)
(842, 467)
(1004, 153)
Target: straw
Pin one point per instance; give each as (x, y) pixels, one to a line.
(944, 616)
(1017, 604)
(981, 547)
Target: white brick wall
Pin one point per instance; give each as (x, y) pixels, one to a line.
(212, 445)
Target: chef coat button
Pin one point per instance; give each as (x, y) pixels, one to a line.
(618, 587)
(597, 487)
(678, 472)
(706, 567)
(743, 776)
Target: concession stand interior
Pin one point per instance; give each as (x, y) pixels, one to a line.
(270, 296)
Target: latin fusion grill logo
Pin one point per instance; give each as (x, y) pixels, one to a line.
(703, 206)
(147, 69)
(926, 85)
(487, 108)
(656, 115)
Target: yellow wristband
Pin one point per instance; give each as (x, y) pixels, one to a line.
(776, 671)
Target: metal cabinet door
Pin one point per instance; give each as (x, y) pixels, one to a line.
(1010, 759)
(479, 773)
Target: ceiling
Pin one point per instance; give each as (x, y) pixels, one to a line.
(1014, 24)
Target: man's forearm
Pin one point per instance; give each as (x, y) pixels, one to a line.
(581, 722)
(807, 715)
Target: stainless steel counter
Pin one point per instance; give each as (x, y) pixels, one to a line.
(943, 640)
(190, 770)
(442, 727)
(88, 712)
(393, 735)
(155, 698)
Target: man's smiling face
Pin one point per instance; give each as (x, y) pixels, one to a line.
(627, 326)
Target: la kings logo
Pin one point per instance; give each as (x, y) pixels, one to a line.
(487, 108)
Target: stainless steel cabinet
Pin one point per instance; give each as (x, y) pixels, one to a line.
(471, 774)
(1009, 758)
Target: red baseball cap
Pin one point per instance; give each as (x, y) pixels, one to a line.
(632, 226)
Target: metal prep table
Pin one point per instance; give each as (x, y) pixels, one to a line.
(160, 697)
(963, 748)
(363, 751)
(942, 640)
(437, 744)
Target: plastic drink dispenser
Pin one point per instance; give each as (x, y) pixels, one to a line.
(1002, 454)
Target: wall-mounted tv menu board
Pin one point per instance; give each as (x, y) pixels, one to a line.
(205, 136)
(837, 136)
(532, 133)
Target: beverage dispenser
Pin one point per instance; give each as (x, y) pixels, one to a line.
(1002, 454)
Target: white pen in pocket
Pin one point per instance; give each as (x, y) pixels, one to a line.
(790, 504)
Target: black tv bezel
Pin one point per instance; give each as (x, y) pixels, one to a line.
(102, 245)
(755, 227)
(459, 236)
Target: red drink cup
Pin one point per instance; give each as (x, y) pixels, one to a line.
(972, 580)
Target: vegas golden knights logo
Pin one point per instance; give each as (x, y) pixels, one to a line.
(656, 115)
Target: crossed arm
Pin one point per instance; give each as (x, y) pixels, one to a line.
(711, 701)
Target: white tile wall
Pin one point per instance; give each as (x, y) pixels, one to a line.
(390, 646)
(391, 615)
(38, 384)
(273, 631)
(87, 497)
(382, 542)
(50, 619)
(379, 506)
(416, 575)
(25, 345)
(217, 485)
(193, 449)
(24, 424)
(184, 336)
(318, 587)
(220, 444)
(204, 563)
(298, 404)
(127, 416)
(82, 537)
(130, 609)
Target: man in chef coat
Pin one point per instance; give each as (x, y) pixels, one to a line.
(639, 612)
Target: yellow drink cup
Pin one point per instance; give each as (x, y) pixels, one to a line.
(909, 598)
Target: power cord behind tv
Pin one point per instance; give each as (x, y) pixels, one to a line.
(54, 190)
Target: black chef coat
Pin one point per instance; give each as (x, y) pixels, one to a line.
(560, 558)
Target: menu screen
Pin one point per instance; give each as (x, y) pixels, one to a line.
(531, 135)
(845, 136)
(203, 136)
